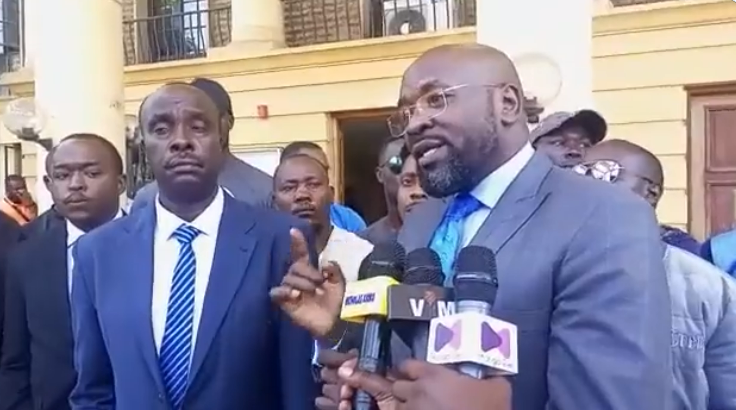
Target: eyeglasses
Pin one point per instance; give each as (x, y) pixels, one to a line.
(393, 164)
(432, 104)
(606, 170)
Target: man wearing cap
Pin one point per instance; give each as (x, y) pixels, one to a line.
(241, 180)
(564, 136)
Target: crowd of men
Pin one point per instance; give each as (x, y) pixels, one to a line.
(221, 287)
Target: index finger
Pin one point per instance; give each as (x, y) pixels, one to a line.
(299, 248)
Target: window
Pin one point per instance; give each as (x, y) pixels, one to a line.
(10, 14)
(180, 28)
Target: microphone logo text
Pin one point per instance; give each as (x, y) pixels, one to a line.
(444, 307)
(359, 299)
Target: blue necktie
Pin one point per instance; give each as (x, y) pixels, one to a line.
(447, 239)
(176, 346)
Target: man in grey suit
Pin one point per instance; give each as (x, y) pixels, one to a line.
(580, 264)
(243, 181)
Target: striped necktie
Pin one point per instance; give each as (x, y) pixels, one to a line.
(176, 346)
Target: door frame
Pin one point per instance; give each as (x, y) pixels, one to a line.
(698, 97)
(336, 142)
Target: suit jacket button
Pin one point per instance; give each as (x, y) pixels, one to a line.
(160, 397)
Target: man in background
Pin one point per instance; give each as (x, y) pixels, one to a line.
(625, 164)
(340, 215)
(408, 194)
(239, 179)
(18, 203)
(387, 174)
(703, 306)
(564, 136)
(302, 188)
(84, 175)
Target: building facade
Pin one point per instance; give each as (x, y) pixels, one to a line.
(661, 74)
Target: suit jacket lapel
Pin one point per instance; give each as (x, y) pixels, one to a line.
(520, 201)
(55, 285)
(233, 250)
(139, 269)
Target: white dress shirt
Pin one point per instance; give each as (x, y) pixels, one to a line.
(348, 250)
(72, 236)
(166, 253)
(490, 190)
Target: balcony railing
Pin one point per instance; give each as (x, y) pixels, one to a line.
(309, 22)
(188, 35)
(175, 36)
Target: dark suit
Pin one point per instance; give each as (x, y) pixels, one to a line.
(248, 355)
(37, 369)
(43, 223)
(580, 273)
(9, 238)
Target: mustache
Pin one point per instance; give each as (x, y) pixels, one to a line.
(75, 198)
(178, 161)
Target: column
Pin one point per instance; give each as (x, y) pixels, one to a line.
(28, 31)
(564, 33)
(257, 25)
(78, 68)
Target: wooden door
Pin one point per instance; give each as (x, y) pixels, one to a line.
(712, 163)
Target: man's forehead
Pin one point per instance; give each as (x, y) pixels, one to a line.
(169, 97)
(301, 168)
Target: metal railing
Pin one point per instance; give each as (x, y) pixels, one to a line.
(180, 36)
(309, 22)
(175, 36)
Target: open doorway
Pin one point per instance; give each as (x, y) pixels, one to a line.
(361, 137)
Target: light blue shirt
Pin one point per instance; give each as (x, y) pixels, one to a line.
(490, 190)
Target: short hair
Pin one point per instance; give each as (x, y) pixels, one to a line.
(14, 177)
(217, 93)
(106, 144)
(298, 146)
(143, 101)
(284, 160)
(385, 144)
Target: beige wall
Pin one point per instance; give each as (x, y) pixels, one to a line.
(643, 58)
(642, 62)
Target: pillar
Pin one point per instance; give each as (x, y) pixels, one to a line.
(257, 25)
(78, 70)
(562, 32)
(28, 31)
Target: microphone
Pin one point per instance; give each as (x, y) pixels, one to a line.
(480, 345)
(412, 304)
(366, 302)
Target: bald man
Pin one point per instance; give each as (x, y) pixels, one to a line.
(703, 297)
(579, 264)
(630, 166)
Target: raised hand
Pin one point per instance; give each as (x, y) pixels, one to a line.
(310, 297)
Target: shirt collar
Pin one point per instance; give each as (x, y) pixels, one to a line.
(73, 233)
(492, 187)
(208, 222)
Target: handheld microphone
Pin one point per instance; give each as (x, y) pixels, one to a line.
(480, 345)
(412, 304)
(366, 301)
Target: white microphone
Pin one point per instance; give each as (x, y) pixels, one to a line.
(477, 343)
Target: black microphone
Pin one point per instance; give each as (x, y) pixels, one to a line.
(413, 303)
(476, 285)
(367, 299)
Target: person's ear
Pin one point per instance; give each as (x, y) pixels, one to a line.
(379, 175)
(509, 105)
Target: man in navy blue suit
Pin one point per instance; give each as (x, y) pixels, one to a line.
(173, 306)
